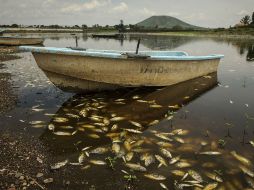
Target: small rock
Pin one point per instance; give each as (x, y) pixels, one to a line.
(22, 177)
(38, 175)
(17, 175)
(49, 180)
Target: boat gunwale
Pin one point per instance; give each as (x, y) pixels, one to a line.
(114, 54)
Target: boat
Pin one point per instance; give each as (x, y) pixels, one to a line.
(88, 69)
(117, 36)
(16, 41)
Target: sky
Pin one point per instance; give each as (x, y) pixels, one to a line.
(205, 13)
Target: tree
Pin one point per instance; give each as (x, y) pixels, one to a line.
(84, 26)
(120, 27)
(245, 20)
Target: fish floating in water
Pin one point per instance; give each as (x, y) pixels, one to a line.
(240, 158)
(97, 162)
(166, 153)
(195, 176)
(161, 160)
(154, 176)
(133, 131)
(210, 153)
(58, 165)
(136, 167)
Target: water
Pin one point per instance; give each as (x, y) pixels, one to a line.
(216, 113)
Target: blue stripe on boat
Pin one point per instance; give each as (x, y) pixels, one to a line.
(154, 55)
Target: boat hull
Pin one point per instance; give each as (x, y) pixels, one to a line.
(125, 72)
(12, 41)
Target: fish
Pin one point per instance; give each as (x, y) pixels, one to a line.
(195, 176)
(135, 97)
(185, 176)
(60, 120)
(73, 116)
(155, 176)
(99, 124)
(161, 160)
(174, 160)
(106, 121)
(155, 106)
(95, 136)
(114, 127)
(136, 167)
(117, 119)
(183, 164)
(95, 118)
(178, 172)
(85, 167)
(214, 177)
(99, 150)
(58, 165)
(180, 140)
(97, 162)
(81, 158)
(166, 153)
(240, 158)
(62, 133)
(36, 122)
(147, 158)
(154, 122)
(127, 145)
(164, 144)
(133, 131)
(88, 126)
(164, 137)
(129, 156)
(210, 153)
(247, 171)
(136, 124)
(210, 186)
(116, 148)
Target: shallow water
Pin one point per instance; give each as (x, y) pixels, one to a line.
(215, 112)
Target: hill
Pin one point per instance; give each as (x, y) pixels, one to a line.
(166, 22)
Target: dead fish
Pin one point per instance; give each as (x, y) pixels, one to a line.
(81, 158)
(138, 143)
(166, 153)
(106, 121)
(127, 145)
(73, 116)
(210, 153)
(155, 106)
(240, 158)
(135, 97)
(85, 167)
(129, 156)
(37, 109)
(95, 118)
(211, 186)
(247, 171)
(153, 122)
(136, 167)
(59, 165)
(95, 136)
(97, 162)
(147, 158)
(164, 144)
(51, 127)
(161, 160)
(99, 124)
(114, 127)
(195, 176)
(164, 137)
(99, 150)
(116, 148)
(36, 122)
(214, 177)
(140, 150)
(178, 173)
(163, 186)
(62, 133)
(65, 127)
(183, 164)
(119, 100)
(136, 124)
(252, 143)
(155, 176)
(180, 140)
(133, 131)
(174, 160)
(117, 119)
(60, 120)
(83, 113)
(185, 176)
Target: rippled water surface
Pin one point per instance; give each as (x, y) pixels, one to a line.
(206, 125)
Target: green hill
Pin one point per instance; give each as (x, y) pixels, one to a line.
(166, 22)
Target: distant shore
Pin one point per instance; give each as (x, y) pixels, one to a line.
(225, 33)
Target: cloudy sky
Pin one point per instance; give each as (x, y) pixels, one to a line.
(206, 13)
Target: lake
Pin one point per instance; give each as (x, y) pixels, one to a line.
(196, 134)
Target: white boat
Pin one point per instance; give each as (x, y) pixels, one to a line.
(106, 69)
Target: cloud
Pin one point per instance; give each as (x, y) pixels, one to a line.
(91, 5)
(242, 12)
(148, 12)
(122, 7)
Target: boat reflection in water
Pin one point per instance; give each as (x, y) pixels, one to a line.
(94, 119)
